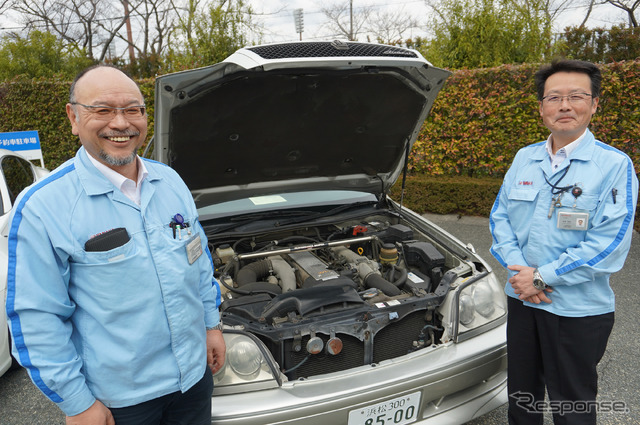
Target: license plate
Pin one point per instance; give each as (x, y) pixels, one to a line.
(398, 411)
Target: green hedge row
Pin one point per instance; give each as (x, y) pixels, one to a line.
(40, 105)
(448, 194)
(482, 117)
(470, 196)
(479, 121)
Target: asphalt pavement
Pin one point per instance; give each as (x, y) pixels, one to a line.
(619, 371)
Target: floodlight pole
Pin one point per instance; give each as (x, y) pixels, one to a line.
(351, 20)
(298, 19)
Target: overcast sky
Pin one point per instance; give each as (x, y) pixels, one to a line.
(277, 16)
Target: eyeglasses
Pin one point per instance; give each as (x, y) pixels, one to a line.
(107, 113)
(572, 98)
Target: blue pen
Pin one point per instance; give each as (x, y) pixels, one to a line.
(179, 224)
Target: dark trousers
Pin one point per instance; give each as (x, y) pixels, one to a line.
(190, 408)
(559, 352)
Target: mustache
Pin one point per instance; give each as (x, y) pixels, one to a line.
(125, 133)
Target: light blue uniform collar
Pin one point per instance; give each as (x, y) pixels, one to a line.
(94, 182)
(583, 152)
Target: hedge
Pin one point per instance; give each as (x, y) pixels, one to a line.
(479, 121)
(39, 104)
(468, 196)
(483, 117)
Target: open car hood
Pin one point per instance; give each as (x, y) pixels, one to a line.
(294, 117)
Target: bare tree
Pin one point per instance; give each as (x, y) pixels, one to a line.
(95, 26)
(89, 25)
(629, 6)
(588, 14)
(4, 5)
(389, 27)
(155, 21)
(345, 19)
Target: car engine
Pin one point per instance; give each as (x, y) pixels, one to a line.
(331, 297)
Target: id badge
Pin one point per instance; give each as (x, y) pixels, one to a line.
(194, 249)
(573, 220)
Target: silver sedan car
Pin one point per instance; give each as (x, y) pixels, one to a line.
(340, 305)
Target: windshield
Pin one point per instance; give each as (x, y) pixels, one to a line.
(294, 200)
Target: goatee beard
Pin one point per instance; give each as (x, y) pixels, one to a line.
(116, 161)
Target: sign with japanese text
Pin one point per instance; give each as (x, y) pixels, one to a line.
(26, 143)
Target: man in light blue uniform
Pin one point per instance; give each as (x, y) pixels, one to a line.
(561, 224)
(112, 302)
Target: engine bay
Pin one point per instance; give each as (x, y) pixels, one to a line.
(352, 293)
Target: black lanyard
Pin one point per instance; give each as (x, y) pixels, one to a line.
(554, 186)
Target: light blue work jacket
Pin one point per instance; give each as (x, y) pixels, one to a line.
(122, 326)
(576, 263)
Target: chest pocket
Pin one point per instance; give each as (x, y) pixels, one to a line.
(525, 195)
(521, 201)
(584, 202)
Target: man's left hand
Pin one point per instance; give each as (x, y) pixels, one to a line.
(216, 350)
(522, 284)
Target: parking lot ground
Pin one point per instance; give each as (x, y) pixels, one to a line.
(619, 371)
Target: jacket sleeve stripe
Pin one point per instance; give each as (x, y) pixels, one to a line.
(492, 225)
(16, 327)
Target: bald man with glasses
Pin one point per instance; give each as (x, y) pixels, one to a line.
(115, 318)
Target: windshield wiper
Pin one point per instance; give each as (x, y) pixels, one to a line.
(242, 219)
(327, 213)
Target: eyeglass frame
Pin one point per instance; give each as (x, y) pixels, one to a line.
(113, 109)
(567, 96)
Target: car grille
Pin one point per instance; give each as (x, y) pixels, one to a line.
(394, 340)
(326, 49)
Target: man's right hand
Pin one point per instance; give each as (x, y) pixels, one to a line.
(522, 284)
(540, 296)
(97, 414)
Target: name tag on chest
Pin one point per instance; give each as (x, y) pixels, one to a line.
(573, 220)
(194, 249)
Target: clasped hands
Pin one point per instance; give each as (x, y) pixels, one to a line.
(522, 284)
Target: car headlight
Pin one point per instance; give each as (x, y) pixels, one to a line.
(476, 305)
(248, 366)
(480, 302)
(245, 358)
(484, 299)
(467, 309)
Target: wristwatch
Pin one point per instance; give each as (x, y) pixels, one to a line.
(217, 327)
(538, 282)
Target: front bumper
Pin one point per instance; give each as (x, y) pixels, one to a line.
(457, 382)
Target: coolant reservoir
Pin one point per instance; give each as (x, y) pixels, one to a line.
(388, 254)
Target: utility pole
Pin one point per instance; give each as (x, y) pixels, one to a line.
(132, 54)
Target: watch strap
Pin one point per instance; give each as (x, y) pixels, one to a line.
(217, 327)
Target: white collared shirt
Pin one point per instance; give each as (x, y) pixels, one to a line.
(127, 186)
(563, 153)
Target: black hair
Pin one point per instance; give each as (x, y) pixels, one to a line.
(569, 65)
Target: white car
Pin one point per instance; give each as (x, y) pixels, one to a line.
(16, 173)
(340, 306)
